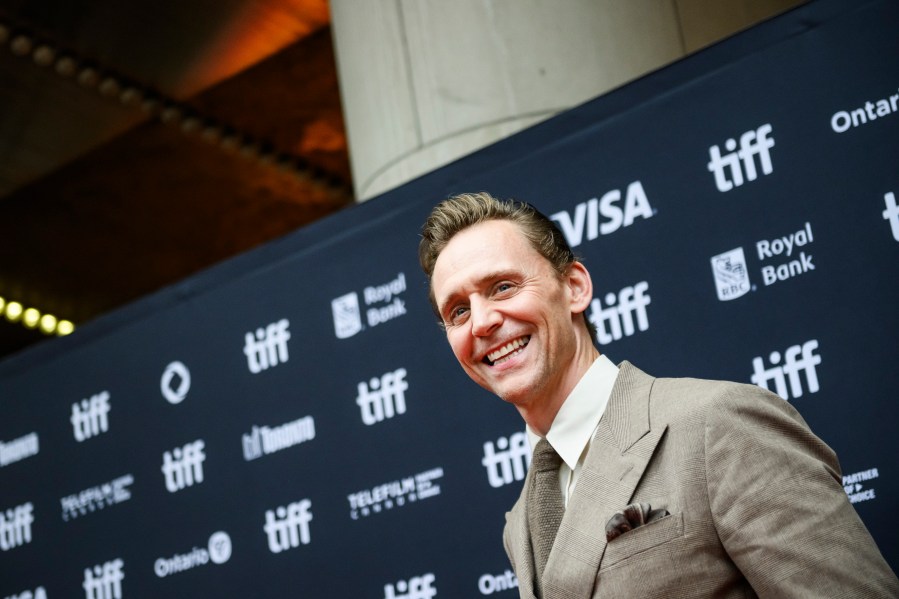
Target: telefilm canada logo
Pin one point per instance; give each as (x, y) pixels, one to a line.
(779, 259)
(217, 551)
(382, 304)
(395, 494)
(605, 215)
(96, 498)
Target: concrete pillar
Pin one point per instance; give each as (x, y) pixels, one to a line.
(424, 82)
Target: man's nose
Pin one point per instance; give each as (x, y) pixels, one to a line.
(485, 318)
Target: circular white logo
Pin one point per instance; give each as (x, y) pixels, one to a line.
(175, 382)
(219, 547)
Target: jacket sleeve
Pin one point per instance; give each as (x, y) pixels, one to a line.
(779, 507)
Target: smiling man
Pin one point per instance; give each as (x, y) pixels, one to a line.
(638, 487)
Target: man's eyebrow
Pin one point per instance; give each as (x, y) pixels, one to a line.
(479, 283)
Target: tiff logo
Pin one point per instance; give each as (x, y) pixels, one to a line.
(510, 462)
(417, 587)
(752, 144)
(15, 526)
(797, 359)
(104, 581)
(90, 417)
(383, 398)
(891, 213)
(183, 466)
(616, 320)
(268, 348)
(290, 528)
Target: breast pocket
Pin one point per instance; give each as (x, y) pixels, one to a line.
(643, 539)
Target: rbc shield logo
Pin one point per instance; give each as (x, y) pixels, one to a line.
(731, 275)
(347, 317)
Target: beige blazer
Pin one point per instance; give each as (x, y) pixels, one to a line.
(755, 499)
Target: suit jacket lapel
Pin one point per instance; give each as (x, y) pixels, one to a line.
(618, 455)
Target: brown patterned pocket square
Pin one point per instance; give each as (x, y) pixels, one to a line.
(631, 517)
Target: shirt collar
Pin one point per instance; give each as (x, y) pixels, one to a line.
(573, 426)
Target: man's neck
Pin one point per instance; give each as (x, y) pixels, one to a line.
(539, 415)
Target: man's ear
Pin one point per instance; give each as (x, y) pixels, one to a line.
(580, 287)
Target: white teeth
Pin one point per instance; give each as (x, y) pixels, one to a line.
(507, 350)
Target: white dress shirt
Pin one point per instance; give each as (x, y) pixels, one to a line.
(572, 430)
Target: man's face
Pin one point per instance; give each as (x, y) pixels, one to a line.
(508, 313)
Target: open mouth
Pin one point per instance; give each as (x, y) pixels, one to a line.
(510, 349)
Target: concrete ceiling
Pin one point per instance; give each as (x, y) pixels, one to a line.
(142, 142)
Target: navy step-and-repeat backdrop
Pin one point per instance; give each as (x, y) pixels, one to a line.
(293, 423)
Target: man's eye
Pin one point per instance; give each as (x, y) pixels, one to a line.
(503, 287)
(457, 314)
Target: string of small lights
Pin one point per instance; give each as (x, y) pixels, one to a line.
(91, 76)
(32, 318)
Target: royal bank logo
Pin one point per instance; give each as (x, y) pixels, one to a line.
(789, 254)
(488, 584)
(19, 449)
(739, 166)
(395, 494)
(858, 485)
(268, 347)
(347, 315)
(798, 364)
(96, 498)
(382, 397)
(891, 214)
(382, 304)
(287, 527)
(264, 440)
(621, 312)
(175, 382)
(507, 460)
(731, 274)
(605, 215)
(90, 417)
(417, 587)
(217, 551)
(104, 581)
(786, 246)
(38, 593)
(182, 467)
(15, 526)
